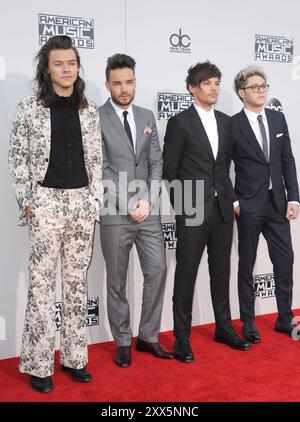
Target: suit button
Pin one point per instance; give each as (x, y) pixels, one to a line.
(39, 182)
(47, 159)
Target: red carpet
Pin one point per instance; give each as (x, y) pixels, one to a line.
(268, 372)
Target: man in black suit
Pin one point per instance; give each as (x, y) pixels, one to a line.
(195, 150)
(267, 197)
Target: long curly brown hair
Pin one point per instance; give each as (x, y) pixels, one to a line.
(43, 84)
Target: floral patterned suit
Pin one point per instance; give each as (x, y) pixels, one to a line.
(61, 224)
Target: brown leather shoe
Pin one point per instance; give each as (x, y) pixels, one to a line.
(153, 348)
(123, 356)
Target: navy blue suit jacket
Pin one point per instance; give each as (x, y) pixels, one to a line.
(252, 170)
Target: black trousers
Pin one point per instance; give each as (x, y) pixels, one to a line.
(191, 241)
(276, 230)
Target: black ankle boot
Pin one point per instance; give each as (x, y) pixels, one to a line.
(43, 385)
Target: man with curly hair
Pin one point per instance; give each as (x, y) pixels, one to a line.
(55, 161)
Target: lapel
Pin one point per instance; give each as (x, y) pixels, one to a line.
(200, 131)
(139, 130)
(272, 132)
(114, 118)
(84, 130)
(44, 125)
(250, 136)
(221, 133)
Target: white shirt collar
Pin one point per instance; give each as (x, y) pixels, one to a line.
(203, 113)
(120, 110)
(252, 116)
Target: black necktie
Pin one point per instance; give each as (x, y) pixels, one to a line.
(127, 127)
(264, 136)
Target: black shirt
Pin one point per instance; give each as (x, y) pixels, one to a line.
(66, 169)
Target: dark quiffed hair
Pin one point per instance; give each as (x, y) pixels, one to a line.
(43, 84)
(201, 72)
(119, 61)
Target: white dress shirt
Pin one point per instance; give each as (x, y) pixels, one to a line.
(253, 120)
(252, 117)
(130, 119)
(209, 122)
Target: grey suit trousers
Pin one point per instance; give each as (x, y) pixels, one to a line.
(116, 242)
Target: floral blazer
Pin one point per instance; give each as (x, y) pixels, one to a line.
(29, 151)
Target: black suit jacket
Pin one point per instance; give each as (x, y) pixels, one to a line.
(252, 170)
(188, 155)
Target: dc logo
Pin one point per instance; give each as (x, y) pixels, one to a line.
(179, 40)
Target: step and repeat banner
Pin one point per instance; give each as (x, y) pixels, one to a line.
(166, 38)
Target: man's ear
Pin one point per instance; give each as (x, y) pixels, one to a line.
(191, 89)
(241, 93)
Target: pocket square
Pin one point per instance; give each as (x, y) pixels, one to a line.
(278, 135)
(147, 130)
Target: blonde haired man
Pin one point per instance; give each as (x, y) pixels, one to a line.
(267, 196)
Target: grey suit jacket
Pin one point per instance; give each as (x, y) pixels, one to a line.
(129, 176)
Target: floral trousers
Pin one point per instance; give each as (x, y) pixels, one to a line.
(61, 225)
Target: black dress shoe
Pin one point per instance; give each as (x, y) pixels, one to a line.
(233, 341)
(250, 332)
(153, 348)
(80, 375)
(183, 351)
(123, 356)
(288, 329)
(43, 385)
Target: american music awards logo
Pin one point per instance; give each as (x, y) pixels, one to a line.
(92, 313)
(264, 286)
(274, 48)
(81, 30)
(171, 103)
(170, 235)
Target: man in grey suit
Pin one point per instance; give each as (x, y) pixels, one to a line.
(132, 168)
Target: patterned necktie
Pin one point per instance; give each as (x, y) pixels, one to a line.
(127, 127)
(264, 136)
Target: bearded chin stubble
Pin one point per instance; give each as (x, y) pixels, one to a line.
(120, 103)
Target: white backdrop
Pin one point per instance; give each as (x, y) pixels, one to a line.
(224, 33)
